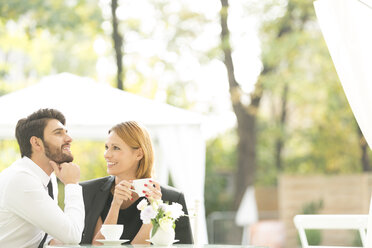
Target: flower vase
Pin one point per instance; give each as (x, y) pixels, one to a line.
(163, 237)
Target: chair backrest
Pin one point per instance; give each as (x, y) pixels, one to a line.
(331, 221)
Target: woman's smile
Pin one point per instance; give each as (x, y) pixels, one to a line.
(110, 164)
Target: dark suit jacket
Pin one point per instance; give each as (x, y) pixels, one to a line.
(96, 193)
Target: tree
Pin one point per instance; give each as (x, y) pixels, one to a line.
(220, 162)
(280, 53)
(42, 37)
(364, 159)
(318, 123)
(246, 115)
(283, 37)
(118, 45)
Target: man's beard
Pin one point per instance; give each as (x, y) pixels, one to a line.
(54, 153)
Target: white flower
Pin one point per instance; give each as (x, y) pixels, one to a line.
(166, 224)
(155, 204)
(175, 210)
(163, 207)
(147, 214)
(141, 206)
(160, 214)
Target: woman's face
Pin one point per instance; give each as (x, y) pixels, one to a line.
(121, 159)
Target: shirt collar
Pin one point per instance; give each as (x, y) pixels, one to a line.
(36, 170)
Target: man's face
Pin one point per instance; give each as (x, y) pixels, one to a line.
(57, 142)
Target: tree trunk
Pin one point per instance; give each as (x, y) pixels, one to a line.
(118, 44)
(279, 144)
(246, 116)
(246, 171)
(364, 150)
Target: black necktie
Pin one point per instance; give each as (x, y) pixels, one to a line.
(50, 189)
(50, 192)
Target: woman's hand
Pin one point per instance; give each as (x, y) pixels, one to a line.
(122, 192)
(154, 191)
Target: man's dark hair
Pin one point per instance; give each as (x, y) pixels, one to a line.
(34, 125)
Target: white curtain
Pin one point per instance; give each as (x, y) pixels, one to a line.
(347, 29)
(181, 152)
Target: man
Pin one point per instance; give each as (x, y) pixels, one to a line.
(27, 212)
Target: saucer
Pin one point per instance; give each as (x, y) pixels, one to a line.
(112, 242)
(174, 241)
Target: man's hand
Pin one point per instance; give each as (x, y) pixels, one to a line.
(66, 172)
(55, 242)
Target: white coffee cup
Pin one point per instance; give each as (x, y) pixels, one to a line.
(139, 186)
(112, 231)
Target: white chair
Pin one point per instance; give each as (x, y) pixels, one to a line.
(331, 221)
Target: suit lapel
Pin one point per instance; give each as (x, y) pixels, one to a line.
(107, 185)
(102, 195)
(97, 206)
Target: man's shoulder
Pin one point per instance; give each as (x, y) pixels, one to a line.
(15, 181)
(16, 175)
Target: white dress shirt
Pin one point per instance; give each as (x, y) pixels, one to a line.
(27, 212)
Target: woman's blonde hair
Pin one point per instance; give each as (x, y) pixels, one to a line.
(137, 137)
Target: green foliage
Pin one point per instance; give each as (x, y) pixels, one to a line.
(39, 38)
(314, 237)
(177, 95)
(220, 168)
(89, 156)
(154, 228)
(313, 207)
(267, 172)
(167, 31)
(320, 132)
(56, 16)
(9, 152)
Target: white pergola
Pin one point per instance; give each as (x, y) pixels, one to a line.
(92, 108)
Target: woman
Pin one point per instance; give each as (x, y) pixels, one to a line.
(109, 200)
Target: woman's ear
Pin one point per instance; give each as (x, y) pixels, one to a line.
(36, 143)
(139, 154)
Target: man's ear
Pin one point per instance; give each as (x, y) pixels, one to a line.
(36, 143)
(139, 153)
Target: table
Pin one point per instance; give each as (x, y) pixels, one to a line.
(154, 246)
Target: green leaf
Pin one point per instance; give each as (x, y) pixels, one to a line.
(154, 229)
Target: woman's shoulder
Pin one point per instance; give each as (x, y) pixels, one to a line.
(97, 182)
(170, 193)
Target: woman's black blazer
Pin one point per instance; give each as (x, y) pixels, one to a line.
(96, 192)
